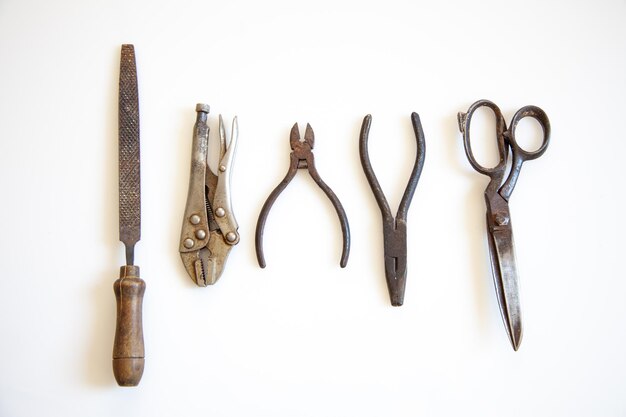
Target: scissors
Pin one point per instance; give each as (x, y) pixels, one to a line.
(497, 194)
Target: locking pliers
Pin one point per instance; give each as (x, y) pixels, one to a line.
(209, 228)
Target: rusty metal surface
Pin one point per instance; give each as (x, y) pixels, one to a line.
(209, 230)
(497, 194)
(302, 157)
(129, 176)
(394, 229)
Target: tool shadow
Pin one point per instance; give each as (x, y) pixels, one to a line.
(98, 353)
(185, 128)
(474, 233)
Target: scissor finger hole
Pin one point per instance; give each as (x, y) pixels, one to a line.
(529, 134)
(484, 144)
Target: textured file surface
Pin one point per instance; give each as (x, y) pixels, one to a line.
(129, 187)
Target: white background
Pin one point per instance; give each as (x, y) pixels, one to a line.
(304, 337)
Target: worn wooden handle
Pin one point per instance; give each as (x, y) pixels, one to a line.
(128, 351)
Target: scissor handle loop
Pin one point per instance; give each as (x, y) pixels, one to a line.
(541, 117)
(519, 154)
(464, 125)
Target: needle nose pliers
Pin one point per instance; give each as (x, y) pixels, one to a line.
(394, 229)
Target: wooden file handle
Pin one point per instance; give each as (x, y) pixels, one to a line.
(128, 351)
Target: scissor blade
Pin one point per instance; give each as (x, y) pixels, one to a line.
(503, 267)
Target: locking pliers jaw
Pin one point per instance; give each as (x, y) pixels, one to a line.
(209, 228)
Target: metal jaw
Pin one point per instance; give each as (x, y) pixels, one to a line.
(395, 250)
(209, 228)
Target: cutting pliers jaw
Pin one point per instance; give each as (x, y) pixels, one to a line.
(294, 138)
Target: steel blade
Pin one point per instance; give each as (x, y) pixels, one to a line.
(506, 281)
(129, 185)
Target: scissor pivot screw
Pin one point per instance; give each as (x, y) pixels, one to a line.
(501, 220)
(200, 234)
(188, 243)
(231, 236)
(195, 219)
(219, 212)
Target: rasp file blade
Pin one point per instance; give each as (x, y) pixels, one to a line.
(129, 180)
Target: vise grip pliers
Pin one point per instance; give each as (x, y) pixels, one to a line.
(209, 227)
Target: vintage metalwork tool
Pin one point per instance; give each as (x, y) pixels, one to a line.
(302, 157)
(209, 227)
(394, 229)
(128, 348)
(497, 194)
